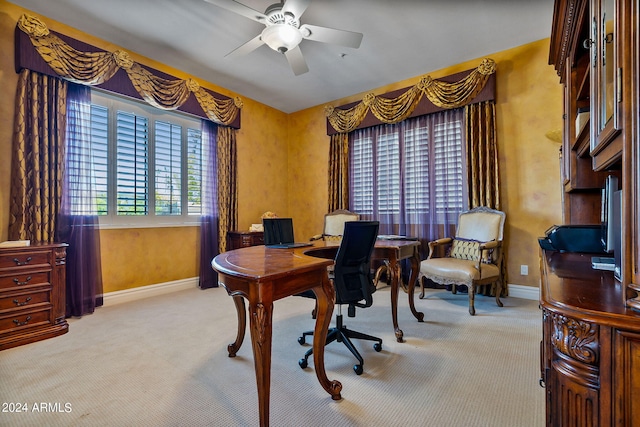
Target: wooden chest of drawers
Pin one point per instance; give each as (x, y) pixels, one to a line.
(32, 294)
(242, 239)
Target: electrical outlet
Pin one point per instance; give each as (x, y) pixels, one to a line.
(524, 270)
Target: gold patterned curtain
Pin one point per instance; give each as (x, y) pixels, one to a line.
(339, 172)
(483, 177)
(94, 68)
(393, 110)
(482, 155)
(227, 183)
(38, 157)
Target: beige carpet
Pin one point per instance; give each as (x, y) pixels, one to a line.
(163, 361)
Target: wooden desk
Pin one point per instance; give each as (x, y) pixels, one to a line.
(394, 251)
(262, 276)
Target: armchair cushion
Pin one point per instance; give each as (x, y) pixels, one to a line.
(470, 249)
(465, 249)
(458, 271)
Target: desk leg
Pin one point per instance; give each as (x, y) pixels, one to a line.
(394, 270)
(325, 298)
(242, 325)
(413, 278)
(260, 324)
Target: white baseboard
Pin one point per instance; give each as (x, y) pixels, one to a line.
(127, 295)
(524, 292)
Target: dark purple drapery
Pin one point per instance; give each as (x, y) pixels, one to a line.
(78, 222)
(209, 220)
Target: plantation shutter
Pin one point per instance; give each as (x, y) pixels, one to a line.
(168, 168)
(132, 164)
(194, 171)
(99, 137)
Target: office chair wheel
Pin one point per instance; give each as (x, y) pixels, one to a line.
(301, 340)
(357, 369)
(303, 363)
(377, 347)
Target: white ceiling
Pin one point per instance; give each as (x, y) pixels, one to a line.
(402, 39)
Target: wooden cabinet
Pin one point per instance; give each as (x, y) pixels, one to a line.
(32, 294)
(590, 346)
(631, 157)
(571, 57)
(591, 320)
(243, 239)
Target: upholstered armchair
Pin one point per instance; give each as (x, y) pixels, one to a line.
(472, 258)
(334, 225)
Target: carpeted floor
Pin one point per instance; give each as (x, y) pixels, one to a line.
(162, 361)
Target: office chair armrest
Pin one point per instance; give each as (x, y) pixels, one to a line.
(433, 244)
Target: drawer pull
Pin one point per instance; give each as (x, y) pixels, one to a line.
(18, 262)
(19, 323)
(19, 283)
(20, 304)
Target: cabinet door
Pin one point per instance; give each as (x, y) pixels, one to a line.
(606, 95)
(627, 379)
(571, 402)
(573, 374)
(632, 212)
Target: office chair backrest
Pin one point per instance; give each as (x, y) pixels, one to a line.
(352, 268)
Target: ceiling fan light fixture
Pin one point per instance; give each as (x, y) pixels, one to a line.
(281, 37)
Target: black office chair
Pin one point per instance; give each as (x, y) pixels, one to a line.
(353, 284)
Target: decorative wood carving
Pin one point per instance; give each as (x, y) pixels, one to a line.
(260, 323)
(61, 256)
(576, 339)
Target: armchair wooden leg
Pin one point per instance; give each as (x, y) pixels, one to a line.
(498, 292)
(472, 295)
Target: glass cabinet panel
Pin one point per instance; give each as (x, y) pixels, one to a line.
(607, 82)
(605, 99)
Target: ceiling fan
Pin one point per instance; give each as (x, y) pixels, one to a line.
(283, 32)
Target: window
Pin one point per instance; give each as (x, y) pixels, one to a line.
(147, 163)
(410, 173)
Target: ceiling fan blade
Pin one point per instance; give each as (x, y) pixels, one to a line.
(297, 7)
(296, 61)
(240, 9)
(249, 46)
(330, 35)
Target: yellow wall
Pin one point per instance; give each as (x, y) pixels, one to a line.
(528, 104)
(282, 164)
(145, 256)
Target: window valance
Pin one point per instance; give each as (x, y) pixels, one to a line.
(50, 53)
(426, 97)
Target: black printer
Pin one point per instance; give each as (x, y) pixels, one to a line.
(573, 238)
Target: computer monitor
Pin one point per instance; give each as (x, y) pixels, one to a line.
(607, 214)
(277, 231)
